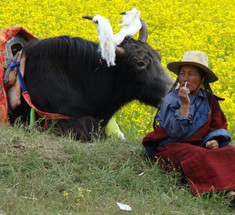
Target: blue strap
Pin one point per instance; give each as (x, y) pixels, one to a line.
(22, 84)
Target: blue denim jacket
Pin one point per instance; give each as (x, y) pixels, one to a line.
(180, 128)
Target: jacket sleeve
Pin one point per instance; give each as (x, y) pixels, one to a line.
(170, 118)
(221, 135)
(218, 127)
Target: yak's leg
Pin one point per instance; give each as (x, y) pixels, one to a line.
(84, 129)
(87, 127)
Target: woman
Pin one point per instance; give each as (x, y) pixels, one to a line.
(192, 132)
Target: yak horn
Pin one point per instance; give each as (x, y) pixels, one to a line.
(120, 51)
(143, 33)
(143, 36)
(88, 17)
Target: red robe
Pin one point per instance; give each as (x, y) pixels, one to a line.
(205, 169)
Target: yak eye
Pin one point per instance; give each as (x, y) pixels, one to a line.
(140, 64)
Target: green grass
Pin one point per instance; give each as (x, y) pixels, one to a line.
(41, 173)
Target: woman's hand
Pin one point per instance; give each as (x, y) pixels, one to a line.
(183, 95)
(212, 144)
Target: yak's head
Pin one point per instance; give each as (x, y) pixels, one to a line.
(144, 65)
(148, 80)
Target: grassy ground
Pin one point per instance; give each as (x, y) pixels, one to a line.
(45, 174)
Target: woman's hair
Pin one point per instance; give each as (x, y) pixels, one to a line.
(207, 89)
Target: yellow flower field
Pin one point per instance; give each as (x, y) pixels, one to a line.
(174, 27)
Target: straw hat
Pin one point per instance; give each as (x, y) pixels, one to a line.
(197, 59)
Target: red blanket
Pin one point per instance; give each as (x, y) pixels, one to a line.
(206, 170)
(5, 35)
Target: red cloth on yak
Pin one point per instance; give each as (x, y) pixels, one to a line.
(5, 35)
(205, 169)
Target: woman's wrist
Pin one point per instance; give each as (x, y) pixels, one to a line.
(184, 110)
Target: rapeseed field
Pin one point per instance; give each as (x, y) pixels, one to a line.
(175, 26)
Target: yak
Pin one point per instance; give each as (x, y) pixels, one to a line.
(66, 75)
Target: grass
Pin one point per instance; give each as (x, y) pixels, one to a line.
(41, 173)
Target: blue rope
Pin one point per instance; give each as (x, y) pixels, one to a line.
(23, 87)
(22, 84)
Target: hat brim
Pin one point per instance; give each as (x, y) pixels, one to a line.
(175, 67)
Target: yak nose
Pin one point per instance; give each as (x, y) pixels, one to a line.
(170, 81)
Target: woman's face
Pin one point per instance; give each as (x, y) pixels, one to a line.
(192, 75)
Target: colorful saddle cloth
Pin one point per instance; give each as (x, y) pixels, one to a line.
(12, 40)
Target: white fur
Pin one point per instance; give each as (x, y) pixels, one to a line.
(107, 45)
(131, 23)
(108, 41)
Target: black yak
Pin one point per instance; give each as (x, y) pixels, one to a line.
(67, 76)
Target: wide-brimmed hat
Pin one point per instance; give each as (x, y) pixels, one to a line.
(194, 58)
